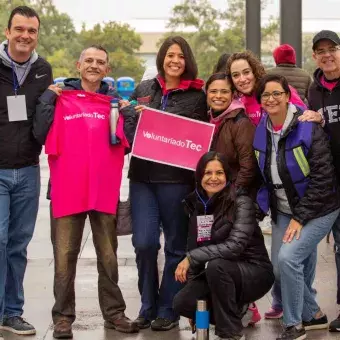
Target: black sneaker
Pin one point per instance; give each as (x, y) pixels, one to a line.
(161, 324)
(292, 333)
(313, 324)
(142, 323)
(17, 325)
(334, 326)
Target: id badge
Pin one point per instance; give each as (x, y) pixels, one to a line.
(16, 107)
(204, 225)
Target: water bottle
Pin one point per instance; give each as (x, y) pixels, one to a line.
(202, 321)
(114, 115)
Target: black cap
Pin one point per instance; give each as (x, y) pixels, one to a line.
(329, 35)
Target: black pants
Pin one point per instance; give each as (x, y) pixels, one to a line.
(221, 286)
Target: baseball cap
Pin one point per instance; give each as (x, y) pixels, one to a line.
(328, 35)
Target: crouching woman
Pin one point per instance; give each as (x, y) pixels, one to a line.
(227, 263)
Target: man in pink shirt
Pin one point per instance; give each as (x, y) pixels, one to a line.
(91, 151)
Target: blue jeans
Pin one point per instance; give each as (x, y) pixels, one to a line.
(294, 267)
(336, 235)
(19, 201)
(309, 264)
(153, 205)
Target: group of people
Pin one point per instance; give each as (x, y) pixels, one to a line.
(275, 150)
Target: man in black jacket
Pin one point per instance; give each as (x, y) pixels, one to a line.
(324, 97)
(67, 231)
(24, 76)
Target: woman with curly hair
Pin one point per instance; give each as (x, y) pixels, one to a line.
(246, 71)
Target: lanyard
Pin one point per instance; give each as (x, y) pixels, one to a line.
(165, 101)
(273, 140)
(16, 81)
(202, 200)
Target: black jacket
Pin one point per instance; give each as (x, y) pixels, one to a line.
(321, 196)
(328, 102)
(235, 236)
(18, 144)
(190, 103)
(45, 113)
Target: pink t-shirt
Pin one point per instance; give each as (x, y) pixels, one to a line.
(86, 170)
(253, 108)
(329, 85)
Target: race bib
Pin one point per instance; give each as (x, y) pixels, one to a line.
(204, 225)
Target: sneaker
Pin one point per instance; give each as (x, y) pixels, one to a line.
(256, 316)
(292, 333)
(252, 316)
(313, 324)
(17, 325)
(273, 313)
(334, 326)
(142, 323)
(162, 324)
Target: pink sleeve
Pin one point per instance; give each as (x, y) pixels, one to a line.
(120, 132)
(51, 144)
(295, 99)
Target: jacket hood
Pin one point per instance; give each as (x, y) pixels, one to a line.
(318, 73)
(183, 85)
(234, 105)
(75, 84)
(8, 61)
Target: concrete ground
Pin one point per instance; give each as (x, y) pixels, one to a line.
(89, 323)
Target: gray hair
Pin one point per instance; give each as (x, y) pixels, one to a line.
(96, 47)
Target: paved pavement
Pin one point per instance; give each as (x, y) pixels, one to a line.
(89, 323)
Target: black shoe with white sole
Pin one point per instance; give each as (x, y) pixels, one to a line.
(17, 325)
(315, 324)
(334, 326)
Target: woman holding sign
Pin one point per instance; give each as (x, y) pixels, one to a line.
(157, 190)
(227, 263)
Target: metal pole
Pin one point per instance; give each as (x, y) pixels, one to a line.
(202, 321)
(291, 26)
(253, 26)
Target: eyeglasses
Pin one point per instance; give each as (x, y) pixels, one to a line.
(275, 94)
(331, 50)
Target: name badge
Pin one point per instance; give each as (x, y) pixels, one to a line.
(16, 107)
(204, 225)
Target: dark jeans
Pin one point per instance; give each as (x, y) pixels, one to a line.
(152, 205)
(336, 235)
(221, 287)
(19, 201)
(66, 236)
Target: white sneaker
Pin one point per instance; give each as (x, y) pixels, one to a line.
(266, 226)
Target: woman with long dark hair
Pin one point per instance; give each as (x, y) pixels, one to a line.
(157, 190)
(227, 263)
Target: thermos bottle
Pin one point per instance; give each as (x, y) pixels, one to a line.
(202, 321)
(114, 115)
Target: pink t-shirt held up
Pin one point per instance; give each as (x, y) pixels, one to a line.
(86, 170)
